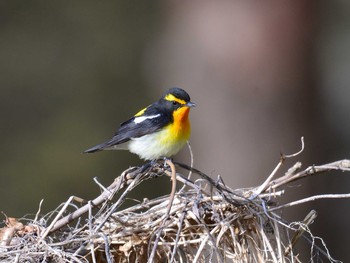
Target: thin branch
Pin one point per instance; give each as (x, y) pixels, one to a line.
(265, 185)
(308, 220)
(310, 199)
(343, 165)
(117, 184)
(166, 216)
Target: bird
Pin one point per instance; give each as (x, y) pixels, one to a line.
(157, 131)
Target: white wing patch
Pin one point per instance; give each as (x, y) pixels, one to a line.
(143, 118)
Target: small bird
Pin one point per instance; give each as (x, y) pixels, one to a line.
(157, 131)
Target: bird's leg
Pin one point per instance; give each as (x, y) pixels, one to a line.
(153, 162)
(134, 171)
(146, 166)
(165, 159)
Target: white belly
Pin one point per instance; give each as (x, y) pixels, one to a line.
(156, 145)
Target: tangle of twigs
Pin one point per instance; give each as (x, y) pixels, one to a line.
(203, 222)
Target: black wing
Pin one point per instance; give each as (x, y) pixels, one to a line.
(133, 129)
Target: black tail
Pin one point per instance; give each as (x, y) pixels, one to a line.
(97, 148)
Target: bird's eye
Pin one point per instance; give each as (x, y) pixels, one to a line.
(174, 102)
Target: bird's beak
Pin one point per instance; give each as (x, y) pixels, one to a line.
(191, 104)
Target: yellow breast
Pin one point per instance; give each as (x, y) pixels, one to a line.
(166, 142)
(180, 129)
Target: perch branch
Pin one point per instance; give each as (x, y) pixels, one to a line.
(57, 223)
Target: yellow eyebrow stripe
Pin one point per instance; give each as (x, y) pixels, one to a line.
(171, 97)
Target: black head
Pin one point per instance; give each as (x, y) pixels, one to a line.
(178, 93)
(174, 99)
(178, 98)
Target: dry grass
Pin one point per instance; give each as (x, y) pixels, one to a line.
(204, 221)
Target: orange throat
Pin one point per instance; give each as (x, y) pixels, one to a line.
(181, 127)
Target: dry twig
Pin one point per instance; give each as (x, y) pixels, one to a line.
(193, 224)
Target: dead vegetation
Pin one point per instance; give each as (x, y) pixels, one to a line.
(203, 221)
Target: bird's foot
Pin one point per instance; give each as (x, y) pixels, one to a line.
(165, 160)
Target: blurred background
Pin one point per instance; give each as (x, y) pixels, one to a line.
(263, 74)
